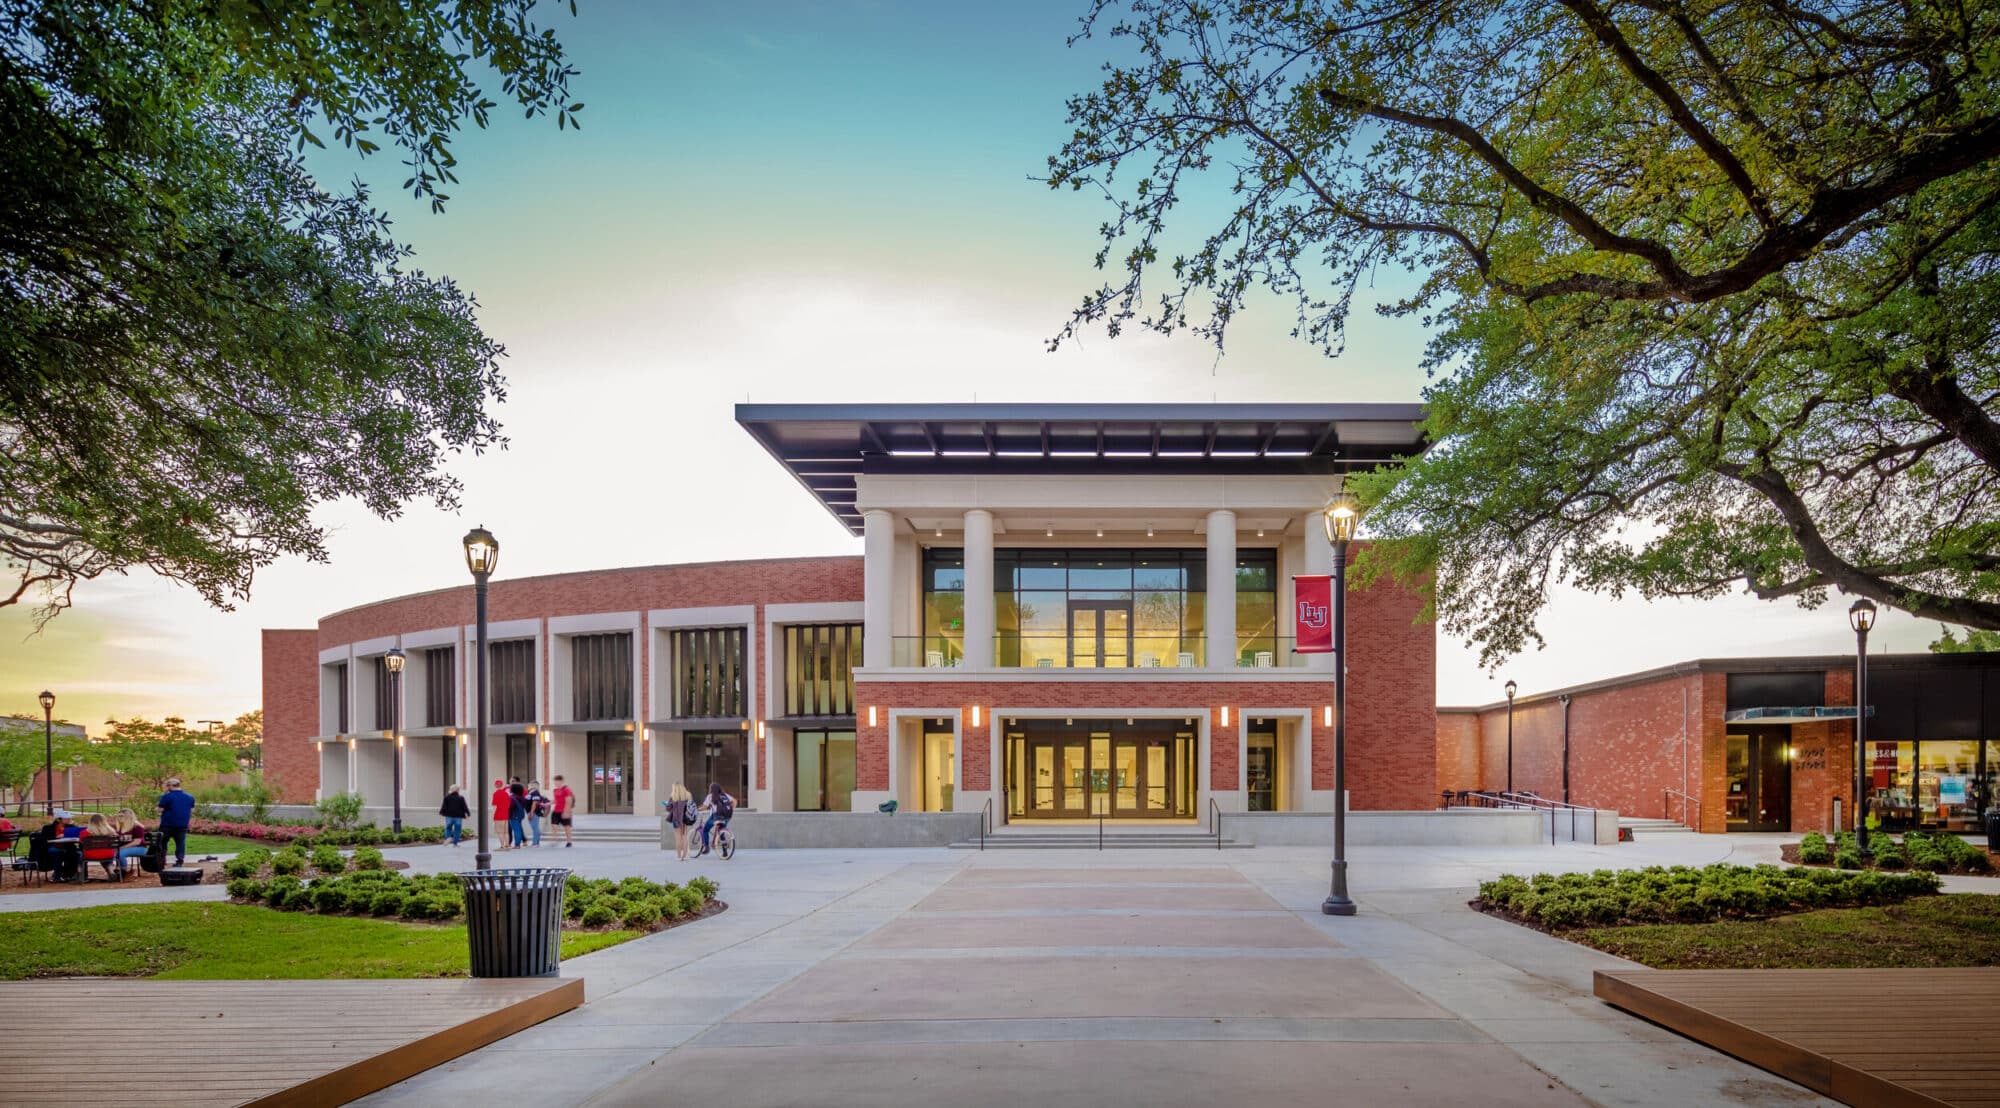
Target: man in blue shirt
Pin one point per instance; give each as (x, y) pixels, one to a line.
(176, 809)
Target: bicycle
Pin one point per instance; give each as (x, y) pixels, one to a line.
(722, 840)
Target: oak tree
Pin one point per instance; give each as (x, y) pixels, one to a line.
(1711, 284)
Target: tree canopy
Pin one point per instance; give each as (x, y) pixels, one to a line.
(198, 342)
(1711, 285)
(149, 753)
(23, 754)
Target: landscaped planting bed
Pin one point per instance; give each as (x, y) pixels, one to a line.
(281, 881)
(1684, 894)
(1918, 850)
(311, 835)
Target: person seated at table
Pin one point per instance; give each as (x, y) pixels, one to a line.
(58, 862)
(99, 825)
(131, 836)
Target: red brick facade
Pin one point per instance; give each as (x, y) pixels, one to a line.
(1637, 744)
(291, 714)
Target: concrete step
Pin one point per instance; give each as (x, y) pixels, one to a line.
(1641, 825)
(611, 835)
(1089, 841)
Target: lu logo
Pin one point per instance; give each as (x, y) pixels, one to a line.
(1312, 615)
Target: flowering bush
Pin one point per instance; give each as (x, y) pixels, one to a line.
(285, 834)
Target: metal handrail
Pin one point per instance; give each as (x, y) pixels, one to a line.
(1215, 820)
(1535, 803)
(985, 822)
(1666, 812)
(1100, 831)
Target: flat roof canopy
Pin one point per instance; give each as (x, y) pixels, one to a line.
(826, 446)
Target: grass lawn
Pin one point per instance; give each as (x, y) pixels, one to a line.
(239, 942)
(199, 845)
(1957, 929)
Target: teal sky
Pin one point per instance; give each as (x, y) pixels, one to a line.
(776, 202)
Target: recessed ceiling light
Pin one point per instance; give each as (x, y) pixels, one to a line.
(939, 532)
(1149, 530)
(1260, 532)
(1049, 532)
(1100, 532)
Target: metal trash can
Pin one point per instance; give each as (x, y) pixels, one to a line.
(513, 920)
(1993, 829)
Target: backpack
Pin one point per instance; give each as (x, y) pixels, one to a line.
(725, 807)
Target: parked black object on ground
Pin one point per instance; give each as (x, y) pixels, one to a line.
(513, 921)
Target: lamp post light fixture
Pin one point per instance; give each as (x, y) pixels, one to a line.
(1511, 690)
(482, 553)
(1861, 617)
(49, 751)
(393, 662)
(1341, 515)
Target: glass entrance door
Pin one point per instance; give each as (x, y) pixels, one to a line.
(1101, 772)
(610, 771)
(1759, 776)
(719, 757)
(1100, 634)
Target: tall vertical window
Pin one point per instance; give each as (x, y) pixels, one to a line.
(1256, 607)
(510, 680)
(340, 698)
(440, 687)
(385, 695)
(601, 676)
(820, 659)
(944, 607)
(706, 664)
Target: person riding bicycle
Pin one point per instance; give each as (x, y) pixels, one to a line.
(720, 806)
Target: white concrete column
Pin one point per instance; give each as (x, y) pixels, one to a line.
(979, 589)
(1319, 560)
(1221, 613)
(878, 577)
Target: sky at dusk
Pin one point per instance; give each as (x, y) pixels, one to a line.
(779, 202)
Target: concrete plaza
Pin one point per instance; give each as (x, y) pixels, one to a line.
(1079, 978)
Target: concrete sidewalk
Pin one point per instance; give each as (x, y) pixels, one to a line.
(1140, 977)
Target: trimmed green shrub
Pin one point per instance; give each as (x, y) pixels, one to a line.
(277, 888)
(249, 862)
(245, 888)
(1682, 894)
(1848, 858)
(291, 860)
(705, 887)
(388, 902)
(641, 915)
(329, 859)
(599, 915)
(689, 901)
(1814, 851)
(339, 811)
(367, 858)
(328, 896)
(1892, 857)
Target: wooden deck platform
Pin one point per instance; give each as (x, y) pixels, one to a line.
(110, 1041)
(1860, 1036)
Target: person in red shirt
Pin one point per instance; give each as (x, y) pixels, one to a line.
(501, 801)
(563, 810)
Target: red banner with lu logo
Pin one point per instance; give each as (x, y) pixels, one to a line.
(1313, 614)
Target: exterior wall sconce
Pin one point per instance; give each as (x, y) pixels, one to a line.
(1225, 715)
(1326, 716)
(546, 736)
(975, 715)
(399, 746)
(871, 715)
(760, 730)
(465, 740)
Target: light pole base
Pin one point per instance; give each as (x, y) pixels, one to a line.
(1338, 906)
(482, 861)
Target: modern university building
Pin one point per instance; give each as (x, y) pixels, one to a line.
(1067, 612)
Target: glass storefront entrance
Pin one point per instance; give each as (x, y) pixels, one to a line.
(720, 757)
(1084, 769)
(611, 776)
(1938, 784)
(940, 770)
(1759, 796)
(825, 766)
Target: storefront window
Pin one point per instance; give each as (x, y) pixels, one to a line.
(825, 766)
(1939, 784)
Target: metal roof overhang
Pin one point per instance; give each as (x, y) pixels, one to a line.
(827, 446)
(1804, 714)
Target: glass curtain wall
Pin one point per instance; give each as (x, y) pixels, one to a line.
(1092, 609)
(820, 660)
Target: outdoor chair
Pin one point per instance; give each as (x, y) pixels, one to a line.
(1187, 659)
(933, 659)
(97, 844)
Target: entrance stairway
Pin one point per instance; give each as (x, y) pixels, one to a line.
(1123, 837)
(1648, 827)
(589, 832)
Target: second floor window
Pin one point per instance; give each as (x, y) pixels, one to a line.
(385, 695)
(510, 680)
(706, 664)
(820, 659)
(340, 720)
(601, 676)
(440, 687)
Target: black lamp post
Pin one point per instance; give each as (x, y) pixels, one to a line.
(1861, 617)
(49, 750)
(393, 662)
(1511, 689)
(1341, 515)
(482, 553)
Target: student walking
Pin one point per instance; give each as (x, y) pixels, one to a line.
(538, 806)
(176, 809)
(455, 812)
(563, 812)
(681, 817)
(501, 803)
